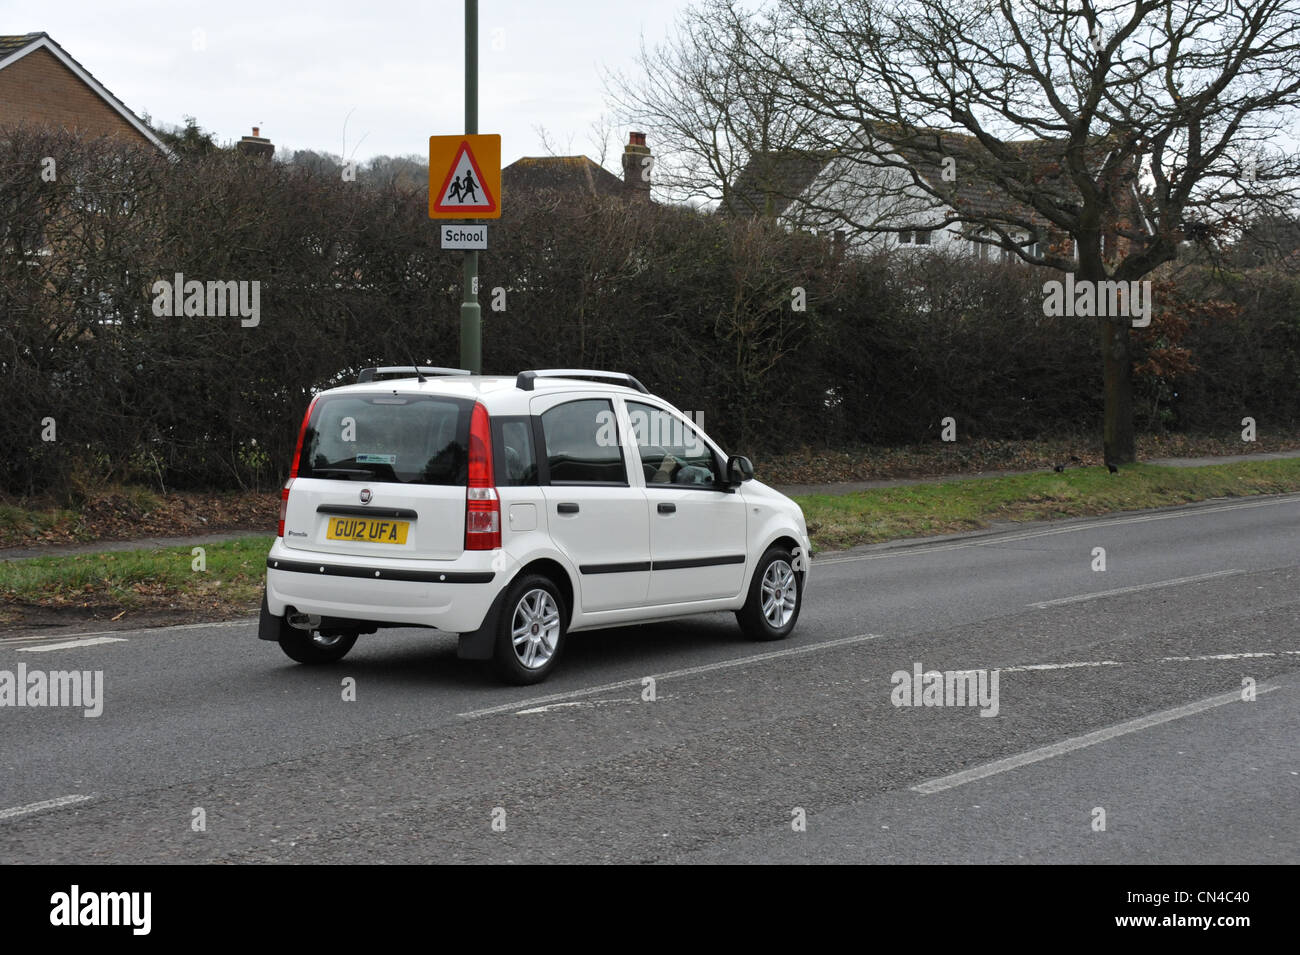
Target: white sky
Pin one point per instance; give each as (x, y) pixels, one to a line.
(297, 68)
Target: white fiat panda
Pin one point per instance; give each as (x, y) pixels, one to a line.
(512, 511)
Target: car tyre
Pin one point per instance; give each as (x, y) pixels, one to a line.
(530, 630)
(312, 647)
(775, 597)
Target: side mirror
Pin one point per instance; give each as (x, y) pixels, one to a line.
(739, 469)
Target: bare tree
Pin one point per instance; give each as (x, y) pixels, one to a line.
(549, 143)
(599, 134)
(707, 119)
(1151, 121)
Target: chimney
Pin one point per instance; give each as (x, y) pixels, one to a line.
(256, 146)
(637, 165)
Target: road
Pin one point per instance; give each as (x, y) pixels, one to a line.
(1119, 693)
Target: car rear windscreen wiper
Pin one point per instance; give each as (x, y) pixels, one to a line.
(360, 471)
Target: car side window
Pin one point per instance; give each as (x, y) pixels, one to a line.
(512, 451)
(582, 445)
(672, 450)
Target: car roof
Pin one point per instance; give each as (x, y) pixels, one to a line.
(498, 393)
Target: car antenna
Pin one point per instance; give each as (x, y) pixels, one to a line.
(418, 374)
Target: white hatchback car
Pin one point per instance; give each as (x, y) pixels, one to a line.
(512, 511)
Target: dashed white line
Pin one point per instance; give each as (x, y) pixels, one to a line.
(1231, 656)
(1080, 742)
(1175, 582)
(519, 705)
(576, 704)
(1060, 666)
(41, 806)
(94, 641)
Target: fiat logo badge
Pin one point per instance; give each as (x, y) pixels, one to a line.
(365, 495)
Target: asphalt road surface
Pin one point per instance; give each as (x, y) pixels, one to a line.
(1120, 732)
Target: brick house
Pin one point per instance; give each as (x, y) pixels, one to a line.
(41, 85)
(580, 174)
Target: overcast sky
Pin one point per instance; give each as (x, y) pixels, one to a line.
(296, 69)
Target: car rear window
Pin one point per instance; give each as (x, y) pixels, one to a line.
(401, 439)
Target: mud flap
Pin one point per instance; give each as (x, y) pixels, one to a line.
(481, 643)
(268, 627)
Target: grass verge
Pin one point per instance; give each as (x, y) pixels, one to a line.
(163, 580)
(918, 510)
(154, 579)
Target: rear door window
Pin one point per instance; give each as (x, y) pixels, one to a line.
(400, 439)
(582, 445)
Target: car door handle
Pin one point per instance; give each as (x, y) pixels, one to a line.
(567, 508)
(667, 508)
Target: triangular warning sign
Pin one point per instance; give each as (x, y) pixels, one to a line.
(464, 189)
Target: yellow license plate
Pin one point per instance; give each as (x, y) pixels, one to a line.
(367, 530)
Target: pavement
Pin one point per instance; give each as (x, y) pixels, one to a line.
(1120, 690)
(849, 487)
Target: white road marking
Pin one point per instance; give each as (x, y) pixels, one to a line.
(1027, 667)
(1079, 598)
(41, 806)
(994, 539)
(1080, 742)
(70, 644)
(579, 704)
(672, 674)
(1230, 656)
(144, 631)
(1060, 666)
(19, 641)
(556, 700)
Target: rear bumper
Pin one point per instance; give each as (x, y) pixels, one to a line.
(454, 596)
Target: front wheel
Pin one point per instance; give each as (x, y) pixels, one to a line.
(530, 631)
(311, 646)
(775, 596)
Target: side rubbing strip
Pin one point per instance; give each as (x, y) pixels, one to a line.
(662, 564)
(628, 568)
(698, 562)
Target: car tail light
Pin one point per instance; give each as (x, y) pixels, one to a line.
(482, 506)
(293, 471)
(284, 505)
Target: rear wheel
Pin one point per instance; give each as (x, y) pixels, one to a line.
(775, 596)
(311, 646)
(530, 631)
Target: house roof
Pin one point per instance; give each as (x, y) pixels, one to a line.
(14, 47)
(561, 173)
(973, 191)
(780, 177)
(771, 180)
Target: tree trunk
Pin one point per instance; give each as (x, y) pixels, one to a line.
(1118, 443)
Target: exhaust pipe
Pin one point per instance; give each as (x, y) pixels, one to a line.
(303, 621)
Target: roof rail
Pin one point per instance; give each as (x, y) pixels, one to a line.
(370, 374)
(526, 379)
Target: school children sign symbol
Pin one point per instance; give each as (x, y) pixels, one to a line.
(465, 177)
